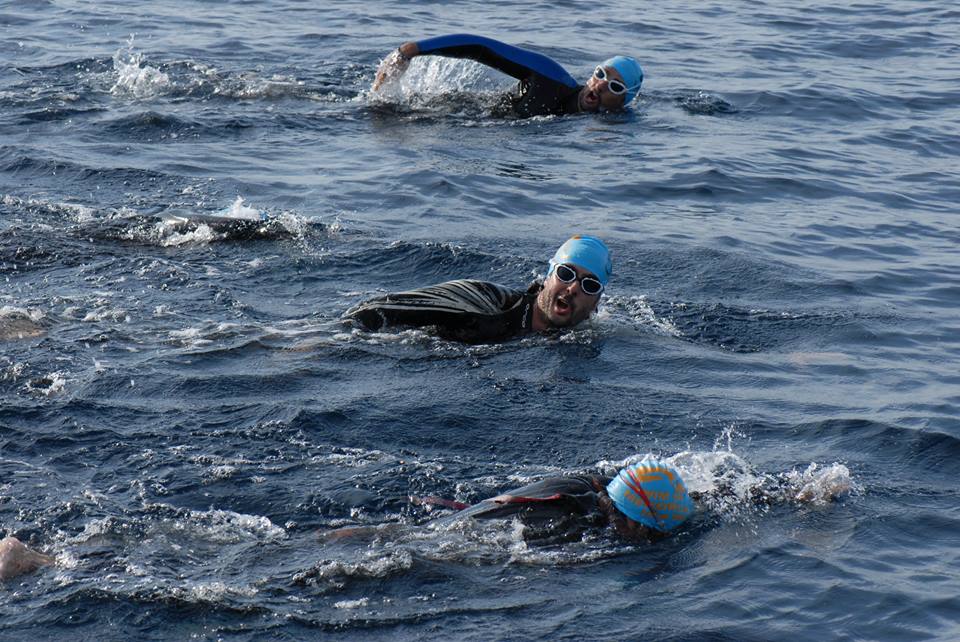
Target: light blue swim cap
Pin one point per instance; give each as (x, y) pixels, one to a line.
(631, 73)
(587, 252)
(651, 493)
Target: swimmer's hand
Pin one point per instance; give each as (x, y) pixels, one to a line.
(394, 65)
(16, 559)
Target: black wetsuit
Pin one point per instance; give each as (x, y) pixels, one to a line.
(556, 508)
(464, 310)
(545, 87)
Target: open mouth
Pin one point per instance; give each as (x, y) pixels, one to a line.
(591, 99)
(562, 306)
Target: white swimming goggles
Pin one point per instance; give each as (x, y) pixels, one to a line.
(615, 86)
(588, 284)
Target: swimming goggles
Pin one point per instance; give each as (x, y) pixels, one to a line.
(615, 86)
(588, 284)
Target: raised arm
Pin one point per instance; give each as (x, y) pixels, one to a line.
(513, 61)
(16, 559)
(395, 64)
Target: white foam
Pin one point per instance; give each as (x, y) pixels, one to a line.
(351, 604)
(223, 472)
(79, 213)
(106, 313)
(220, 526)
(374, 564)
(215, 592)
(190, 337)
(638, 312)
(13, 371)
(202, 234)
(33, 314)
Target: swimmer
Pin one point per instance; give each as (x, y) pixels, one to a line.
(16, 559)
(481, 312)
(643, 502)
(545, 87)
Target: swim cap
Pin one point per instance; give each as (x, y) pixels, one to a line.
(631, 73)
(587, 252)
(651, 493)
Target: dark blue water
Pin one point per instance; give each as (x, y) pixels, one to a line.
(182, 414)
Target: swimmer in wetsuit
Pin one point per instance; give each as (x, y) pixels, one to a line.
(482, 312)
(643, 502)
(545, 88)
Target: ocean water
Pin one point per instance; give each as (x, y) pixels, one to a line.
(184, 419)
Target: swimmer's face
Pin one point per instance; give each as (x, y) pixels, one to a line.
(596, 94)
(563, 305)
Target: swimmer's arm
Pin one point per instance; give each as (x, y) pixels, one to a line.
(16, 559)
(505, 58)
(379, 314)
(453, 307)
(395, 64)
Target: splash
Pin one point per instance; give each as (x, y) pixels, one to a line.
(635, 312)
(133, 77)
(727, 486)
(240, 211)
(819, 485)
(445, 85)
(52, 384)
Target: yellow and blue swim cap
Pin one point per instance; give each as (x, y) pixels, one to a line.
(651, 493)
(587, 252)
(631, 73)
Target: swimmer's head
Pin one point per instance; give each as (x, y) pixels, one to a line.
(630, 72)
(614, 83)
(651, 493)
(587, 252)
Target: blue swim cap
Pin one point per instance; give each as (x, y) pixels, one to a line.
(651, 493)
(587, 252)
(631, 73)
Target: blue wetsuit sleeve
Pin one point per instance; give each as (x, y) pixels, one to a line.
(511, 60)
